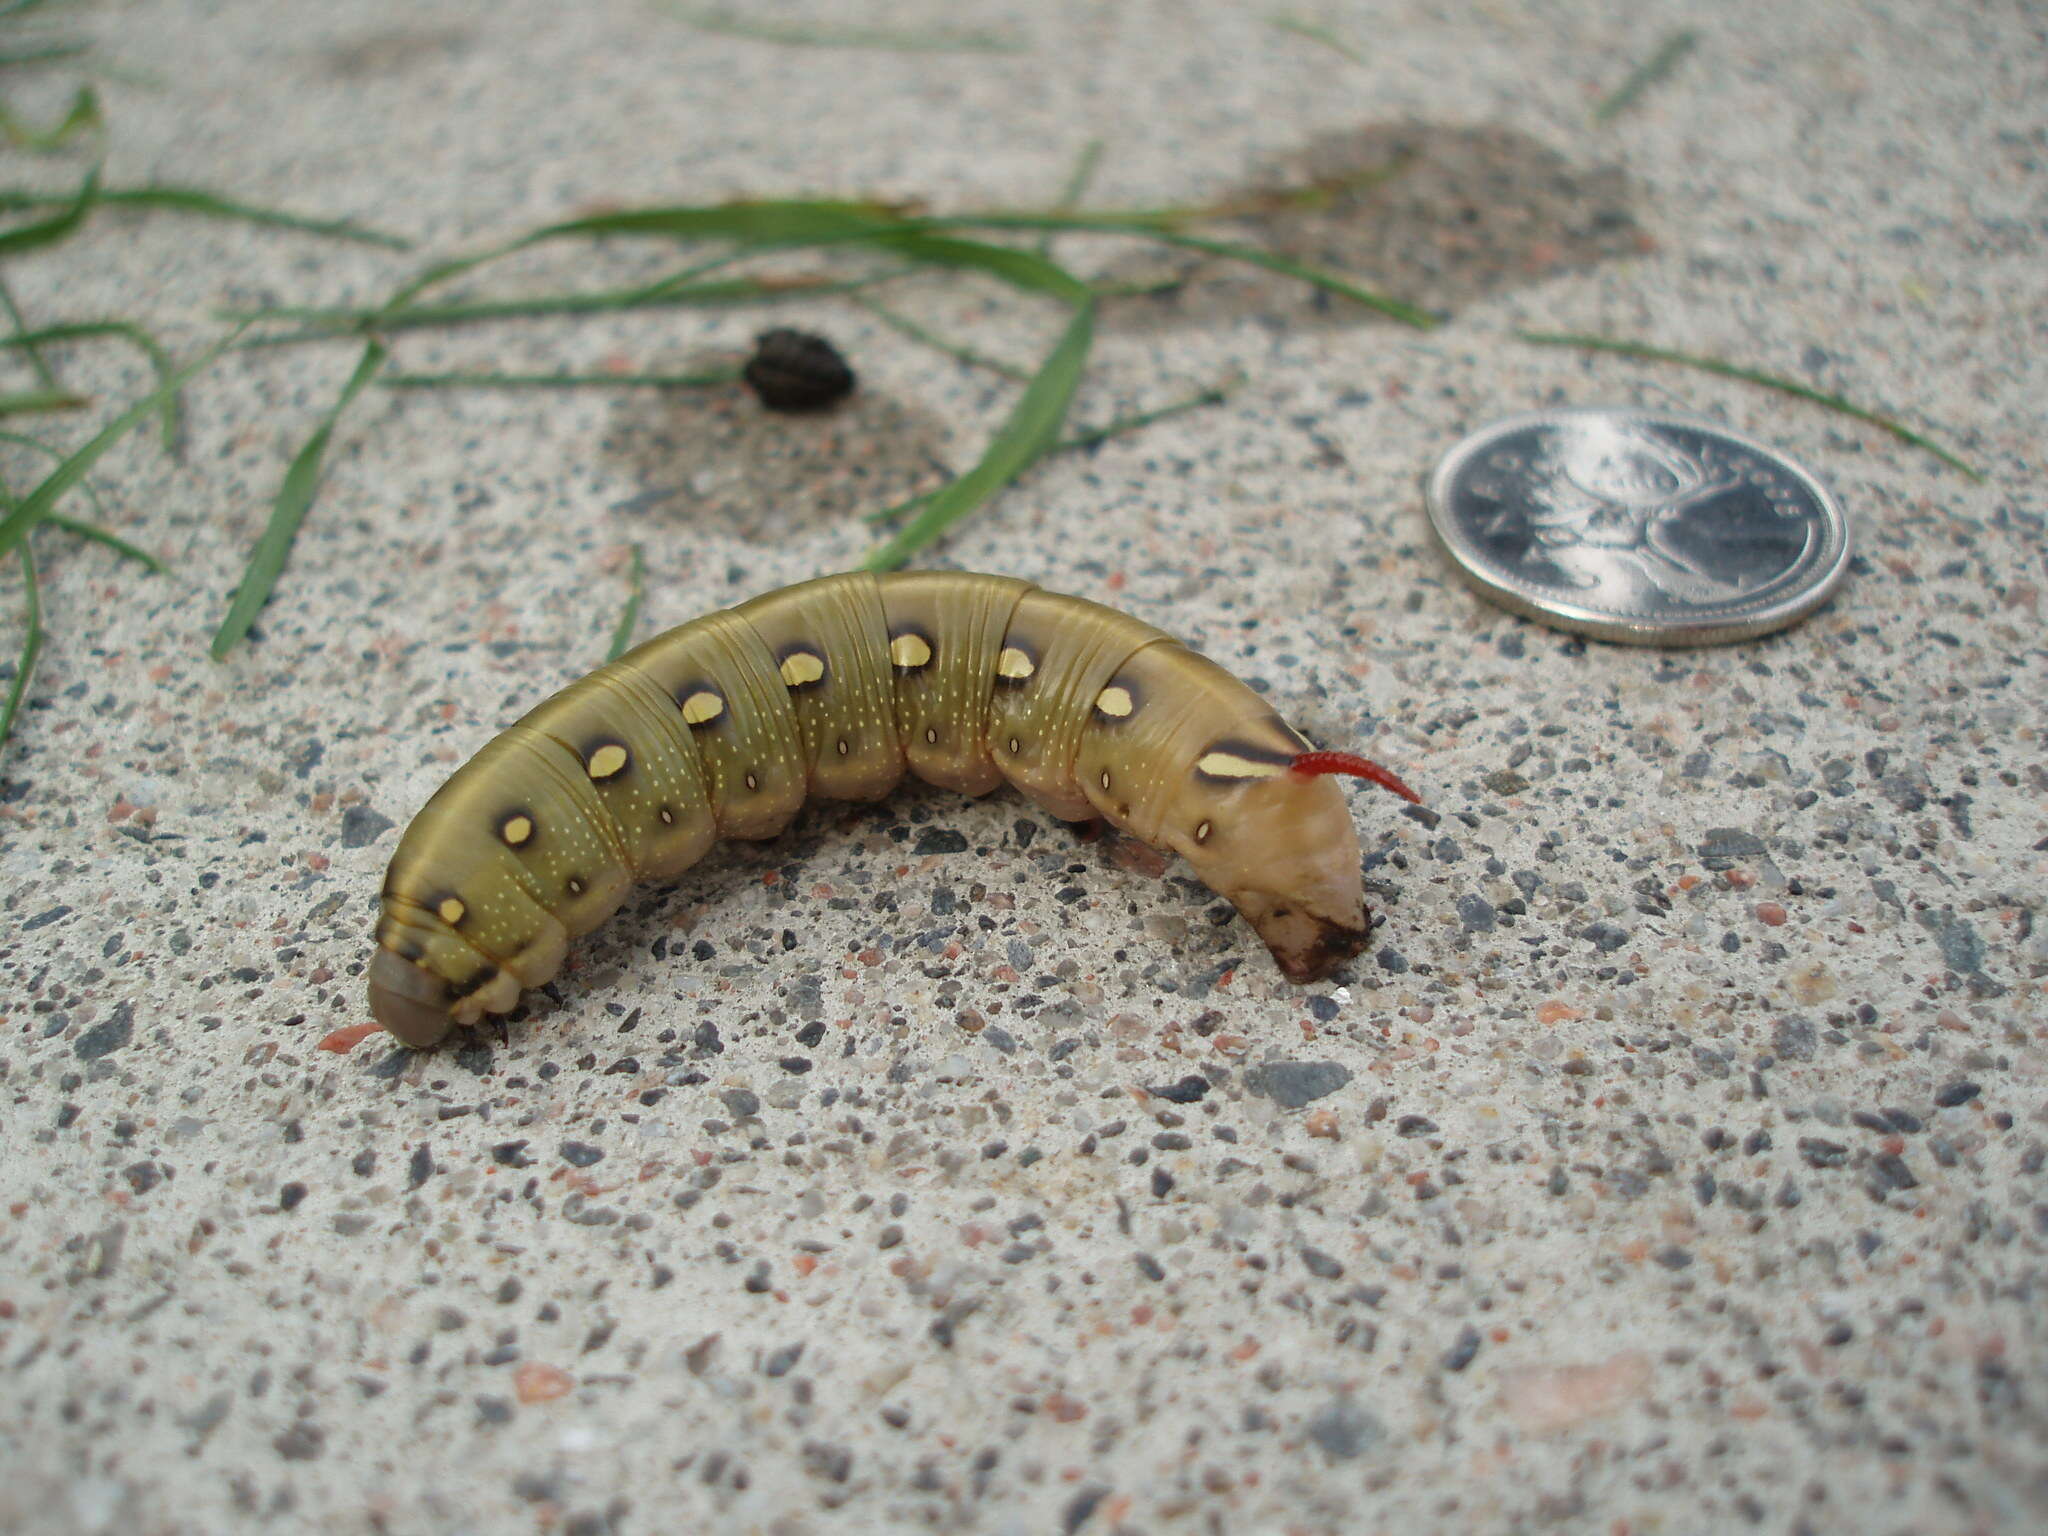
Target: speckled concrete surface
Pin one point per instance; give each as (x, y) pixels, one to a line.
(1676, 1161)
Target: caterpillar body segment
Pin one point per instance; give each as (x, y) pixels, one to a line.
(837, 687)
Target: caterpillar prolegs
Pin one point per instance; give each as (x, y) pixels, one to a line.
(723, 726)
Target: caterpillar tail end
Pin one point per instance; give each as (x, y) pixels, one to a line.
(410, 1001)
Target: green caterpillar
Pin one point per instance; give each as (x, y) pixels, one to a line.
(724, 726)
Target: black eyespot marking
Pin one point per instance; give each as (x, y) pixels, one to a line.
(668, 816)
(575, 886)
(910, 650)
(801, 667)
(606, 759)
(1016, 662)
(703, 706)
(1119, 700)
(1202, 832)
(752, 782)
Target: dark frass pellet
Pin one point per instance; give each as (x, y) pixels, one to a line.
(797, 371)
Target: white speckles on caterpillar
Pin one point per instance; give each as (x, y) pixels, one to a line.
(836, 687)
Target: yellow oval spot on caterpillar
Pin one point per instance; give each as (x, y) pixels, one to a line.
(1015, 663)
(702, 708)
(802, 668)
(516, 829)
(1228, 765)
(451, 910)
(1105, 778)
(1202, 832)
(910, 650)
(607, 760)
(1116, 702)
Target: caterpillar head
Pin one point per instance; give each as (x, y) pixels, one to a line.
(1281, 847)
(408, 999)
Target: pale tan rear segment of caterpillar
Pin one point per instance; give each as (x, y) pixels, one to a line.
(724, 726)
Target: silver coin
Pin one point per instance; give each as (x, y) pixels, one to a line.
(1639, 526)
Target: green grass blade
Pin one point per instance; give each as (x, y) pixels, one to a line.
(1751, 376)
(781, 224)
(755, 226)
(755, 222)
(636, 594)
(1089, 437)
(86, 530)
(1316, 277)
(44, 374)
(760, 224)
(86, 330)
(39, 502)
(1020, 268)
(31, 645)
(60, 226)
(734, 24)
(1317, 33)
(43, 53)
(83, 117)
(746, 290)
(113, 541)
(1075, 189)
(889, 514)
(211, 205)
(704, 380)
(29, 401)
(1033, 427)
(442, 271)
(294, 498)
(953, 349)
(23, 440)
(784, 223)
(1152, 226)
(1646, 74)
